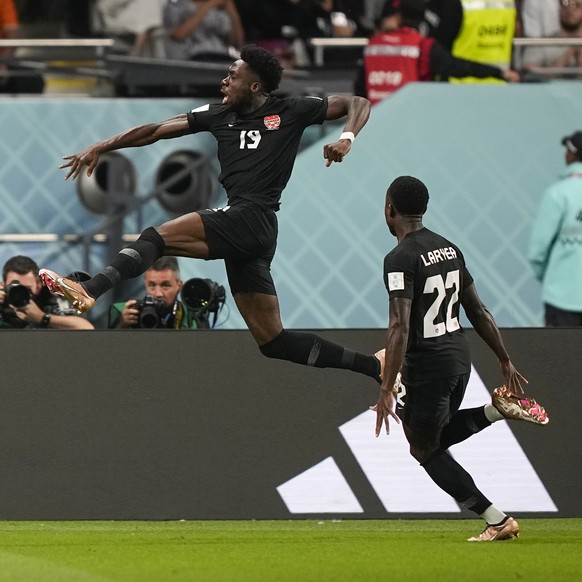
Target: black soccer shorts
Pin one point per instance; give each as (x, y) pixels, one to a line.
(432, 403)
(245, 236)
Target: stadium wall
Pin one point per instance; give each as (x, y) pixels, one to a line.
(159, 425)
(486, 153)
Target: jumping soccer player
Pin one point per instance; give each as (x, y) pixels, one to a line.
(258, 137)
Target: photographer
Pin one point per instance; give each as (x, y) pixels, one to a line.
(25, 303)
(160, 308)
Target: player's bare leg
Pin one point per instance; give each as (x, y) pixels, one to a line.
(185, 236)
(261, 314)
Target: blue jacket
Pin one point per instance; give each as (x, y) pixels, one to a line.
(555, 248)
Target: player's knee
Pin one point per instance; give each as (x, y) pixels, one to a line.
(276, 348)
(422, 452)
(152, 236)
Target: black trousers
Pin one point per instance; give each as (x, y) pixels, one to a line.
(556, 317)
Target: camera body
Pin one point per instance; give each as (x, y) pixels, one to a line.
(17, 295)
(153, 313)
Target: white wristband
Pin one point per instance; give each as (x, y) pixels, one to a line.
(348, 135)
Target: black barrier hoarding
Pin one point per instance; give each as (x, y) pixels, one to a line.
(199, 425)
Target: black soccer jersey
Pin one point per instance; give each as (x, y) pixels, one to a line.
(430, 270)
(257, 151)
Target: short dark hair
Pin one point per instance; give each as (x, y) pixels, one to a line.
(408, 195)
(164, 263)
(264, 64)
(412, 12)
(21, 265)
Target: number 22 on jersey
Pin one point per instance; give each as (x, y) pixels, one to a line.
(437, 283)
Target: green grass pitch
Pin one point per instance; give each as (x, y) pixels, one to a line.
(548, 550)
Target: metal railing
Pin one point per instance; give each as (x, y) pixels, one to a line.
(321, 45)
(520, 44)
(70, 57)
(98, 45)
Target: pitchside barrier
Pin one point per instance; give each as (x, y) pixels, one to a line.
(160, 425)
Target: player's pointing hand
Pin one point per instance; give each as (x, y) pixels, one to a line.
(335, 152)
(88, 157)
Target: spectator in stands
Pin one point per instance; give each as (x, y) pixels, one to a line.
(25, 303)
(353, 13)
(442, 21)
(570, 15)
(209, 30)
(555, 248)
(271, 24)
(135, 18)
(372, 11)
(161, 307)
(487, 34)
(78, 18)
(326, 18)
(442, 18)
(14, 78)
(399, 54)
(265, 19)
(540, 18)
(330, 19)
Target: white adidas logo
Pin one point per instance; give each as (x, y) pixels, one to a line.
(493, 457)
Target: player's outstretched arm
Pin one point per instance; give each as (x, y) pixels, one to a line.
(484, 324)
(357, 110)
(396, 342)
(134, 137)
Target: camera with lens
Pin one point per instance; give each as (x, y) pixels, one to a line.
(203, 297)
(153, 313)
(17, 295)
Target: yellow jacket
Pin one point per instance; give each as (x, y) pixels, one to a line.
(486, 34)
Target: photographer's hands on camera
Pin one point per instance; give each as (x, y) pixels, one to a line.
(29, 313)
(147, 313)
(129, 314)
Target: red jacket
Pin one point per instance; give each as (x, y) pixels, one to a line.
(391, 60)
